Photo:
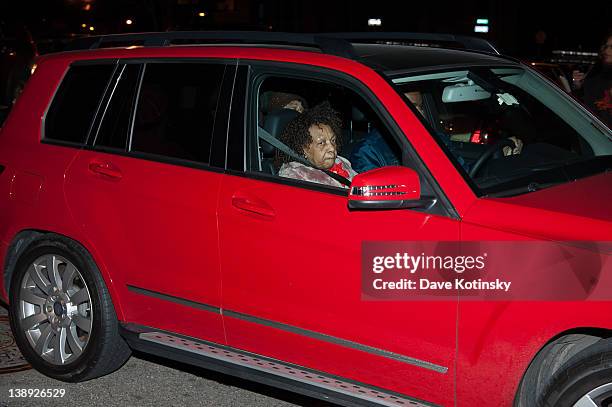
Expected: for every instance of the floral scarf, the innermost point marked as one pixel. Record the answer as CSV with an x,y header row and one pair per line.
x,y
297,170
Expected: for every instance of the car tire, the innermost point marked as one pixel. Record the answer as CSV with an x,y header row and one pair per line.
x,y
543,367
61,312
585,380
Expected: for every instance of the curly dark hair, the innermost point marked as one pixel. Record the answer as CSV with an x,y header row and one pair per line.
x,y
297,135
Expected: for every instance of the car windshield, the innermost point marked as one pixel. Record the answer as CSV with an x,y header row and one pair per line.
x,y
508,130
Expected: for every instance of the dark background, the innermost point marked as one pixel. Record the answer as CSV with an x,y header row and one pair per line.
x,y
568,25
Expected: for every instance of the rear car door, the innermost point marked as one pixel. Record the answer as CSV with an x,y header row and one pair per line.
x,y
145,191
291,263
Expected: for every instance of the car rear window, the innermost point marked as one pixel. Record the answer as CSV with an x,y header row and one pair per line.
x,y
74,106
176,110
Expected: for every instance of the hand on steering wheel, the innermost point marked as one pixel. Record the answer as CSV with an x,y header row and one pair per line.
x,y
488,153
518,147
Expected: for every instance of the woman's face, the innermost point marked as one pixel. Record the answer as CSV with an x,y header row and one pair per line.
x,y
322,148
606,52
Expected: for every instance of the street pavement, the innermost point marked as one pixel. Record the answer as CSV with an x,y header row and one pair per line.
x,y
149,381
145,380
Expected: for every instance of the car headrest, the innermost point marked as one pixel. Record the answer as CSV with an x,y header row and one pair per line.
x,y
357,115
277,120
275,123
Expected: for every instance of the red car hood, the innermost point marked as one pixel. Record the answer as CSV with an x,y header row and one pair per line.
x,y
579,210
588,197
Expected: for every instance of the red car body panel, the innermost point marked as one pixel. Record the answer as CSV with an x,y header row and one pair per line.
x,y
146,249
320,293
497,340
572,211
49,164
259,230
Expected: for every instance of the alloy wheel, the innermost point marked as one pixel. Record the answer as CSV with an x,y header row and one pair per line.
x,y
598,397
55,309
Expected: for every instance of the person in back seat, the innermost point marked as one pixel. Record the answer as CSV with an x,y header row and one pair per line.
x,y
372,150
272,100
281,100
314,134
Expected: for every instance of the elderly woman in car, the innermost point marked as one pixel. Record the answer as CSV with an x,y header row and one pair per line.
x,y
314,135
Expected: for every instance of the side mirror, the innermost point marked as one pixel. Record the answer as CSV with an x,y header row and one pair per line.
x,y
390,187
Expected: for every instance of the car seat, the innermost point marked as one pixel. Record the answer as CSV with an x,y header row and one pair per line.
x,y
274,123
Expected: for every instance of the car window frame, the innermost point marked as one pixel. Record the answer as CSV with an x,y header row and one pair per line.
x,y
255,73
106,101
89,62
219,132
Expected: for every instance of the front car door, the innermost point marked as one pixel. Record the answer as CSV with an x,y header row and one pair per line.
x,y
291,256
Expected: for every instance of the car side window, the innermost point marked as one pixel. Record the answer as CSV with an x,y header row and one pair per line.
x,y
74,106
176,110
115,126
363,140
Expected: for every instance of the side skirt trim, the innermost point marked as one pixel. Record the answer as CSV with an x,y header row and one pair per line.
x,y
264,370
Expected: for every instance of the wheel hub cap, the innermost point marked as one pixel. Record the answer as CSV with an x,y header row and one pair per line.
x,y
59,309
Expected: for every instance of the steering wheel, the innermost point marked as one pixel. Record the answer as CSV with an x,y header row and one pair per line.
x,y
488,153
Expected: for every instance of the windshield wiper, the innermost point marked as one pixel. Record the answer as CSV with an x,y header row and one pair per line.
x,y
531,187
559,163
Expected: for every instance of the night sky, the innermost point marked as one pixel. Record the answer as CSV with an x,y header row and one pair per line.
x,y
513,24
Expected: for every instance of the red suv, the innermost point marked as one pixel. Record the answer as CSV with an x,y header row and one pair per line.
x,y
142,208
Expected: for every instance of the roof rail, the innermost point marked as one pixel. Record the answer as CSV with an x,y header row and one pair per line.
x,y
333,46
443,40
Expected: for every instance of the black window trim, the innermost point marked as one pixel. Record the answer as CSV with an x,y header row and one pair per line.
x,y
238,114
141,74
219,146
83,144
261,69
106,99
398,73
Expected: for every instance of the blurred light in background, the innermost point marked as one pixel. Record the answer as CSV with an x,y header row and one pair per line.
x,y
129,21
374,22
482,25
